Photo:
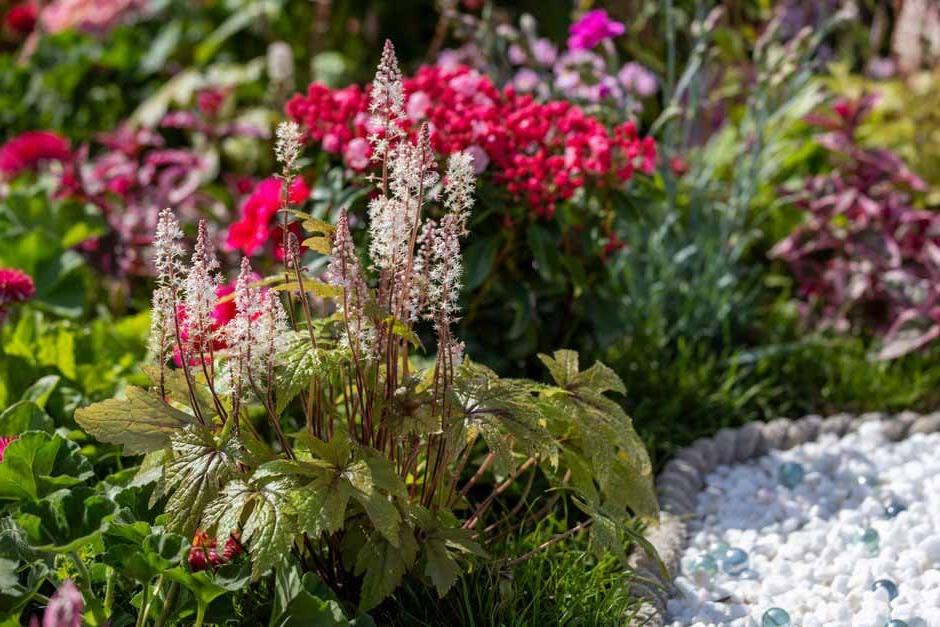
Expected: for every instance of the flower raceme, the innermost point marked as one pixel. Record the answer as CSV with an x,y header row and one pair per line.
x,y
319,440
541,152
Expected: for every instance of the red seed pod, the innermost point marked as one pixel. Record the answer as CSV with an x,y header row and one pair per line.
x,y
197,559
233,546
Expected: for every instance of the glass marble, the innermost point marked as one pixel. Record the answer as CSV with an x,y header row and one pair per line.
x,y
749,574
705,564
865,536
775,617
896,623
894,508
718,549
888,586
869,480
790,474
733,561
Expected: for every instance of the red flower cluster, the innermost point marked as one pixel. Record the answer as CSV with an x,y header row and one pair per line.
x,y
204,554
15,287
27,150
254,228
5,441
542,152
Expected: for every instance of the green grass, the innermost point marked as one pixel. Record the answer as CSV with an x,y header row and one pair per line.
x,y
565,584
692,390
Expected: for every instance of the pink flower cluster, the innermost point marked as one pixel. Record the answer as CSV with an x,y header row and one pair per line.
x,y
542,152
255,226
15,287
864,256
91,16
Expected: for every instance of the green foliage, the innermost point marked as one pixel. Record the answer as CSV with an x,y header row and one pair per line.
x,y
37,464
904,121
263,514
38,236
141,422
200,465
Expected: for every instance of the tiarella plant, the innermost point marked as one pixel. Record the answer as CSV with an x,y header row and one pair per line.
x,y
306,427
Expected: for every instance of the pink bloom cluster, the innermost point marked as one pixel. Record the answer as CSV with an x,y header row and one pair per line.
x,y
256,225
864,255
542,151
136,177
91,16
15,287
65,608
130,174
28,150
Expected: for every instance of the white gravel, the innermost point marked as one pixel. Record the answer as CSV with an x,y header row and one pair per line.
x,y
799,542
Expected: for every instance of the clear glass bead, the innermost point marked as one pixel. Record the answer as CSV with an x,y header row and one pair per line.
x,y
733,561
705,564
894,508
889,586
790,474
775,617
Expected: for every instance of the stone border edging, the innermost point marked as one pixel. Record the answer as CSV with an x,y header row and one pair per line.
x,y
683,477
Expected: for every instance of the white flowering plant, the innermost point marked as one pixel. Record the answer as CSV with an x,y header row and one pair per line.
x,y
311,428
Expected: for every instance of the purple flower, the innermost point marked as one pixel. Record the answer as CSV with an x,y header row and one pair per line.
x,y
517,56
65,607
480,158
526,80
593,27
544,51
637,79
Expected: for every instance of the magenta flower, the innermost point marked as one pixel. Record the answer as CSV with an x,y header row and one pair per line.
x,y
27,150
15,287
5,441
593,28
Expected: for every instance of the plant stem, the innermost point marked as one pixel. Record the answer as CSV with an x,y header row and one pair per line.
x,y
168,604
109,591
555,540
144,602
84,584
200,613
